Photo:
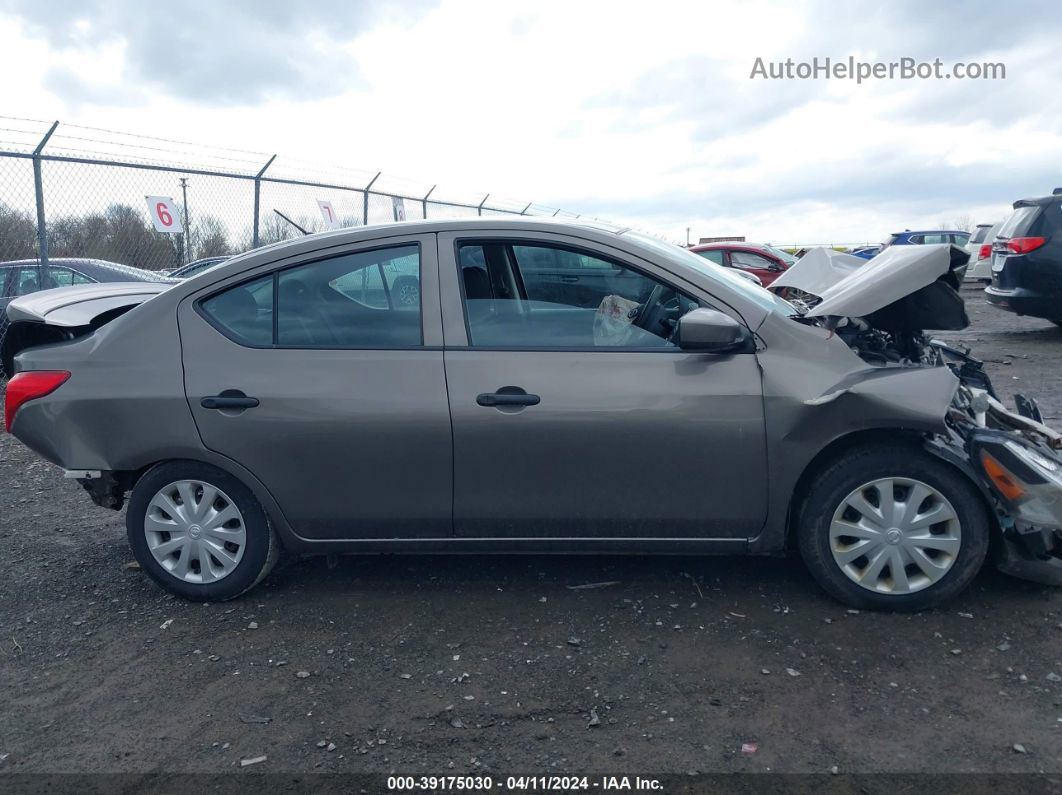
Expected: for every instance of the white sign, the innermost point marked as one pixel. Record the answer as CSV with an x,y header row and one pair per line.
x,y
399,207
328,213
163,212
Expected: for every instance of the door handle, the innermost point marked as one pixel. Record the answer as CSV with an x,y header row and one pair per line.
x,y
508,396
569,279
229,399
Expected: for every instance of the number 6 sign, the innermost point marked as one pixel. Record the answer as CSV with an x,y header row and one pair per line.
x,y
163,214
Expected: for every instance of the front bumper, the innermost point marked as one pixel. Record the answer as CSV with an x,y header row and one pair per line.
x,y
1026,483
1022,301
1032,553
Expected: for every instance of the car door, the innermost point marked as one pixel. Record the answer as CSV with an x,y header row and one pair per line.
x,y
572,422
314,376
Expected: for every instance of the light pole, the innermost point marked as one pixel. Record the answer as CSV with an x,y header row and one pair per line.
x,y
187,230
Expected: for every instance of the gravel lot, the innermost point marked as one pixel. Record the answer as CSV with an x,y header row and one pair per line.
x,y
502,664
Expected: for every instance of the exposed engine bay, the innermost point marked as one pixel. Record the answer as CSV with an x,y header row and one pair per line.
x,y
1013,456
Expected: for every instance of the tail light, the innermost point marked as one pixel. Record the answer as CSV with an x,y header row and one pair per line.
x,y
1023,245
985,252
30,386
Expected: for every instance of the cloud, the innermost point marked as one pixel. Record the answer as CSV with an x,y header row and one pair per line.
x,y
209,52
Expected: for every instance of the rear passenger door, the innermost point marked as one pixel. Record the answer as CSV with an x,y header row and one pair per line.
x,y
340,371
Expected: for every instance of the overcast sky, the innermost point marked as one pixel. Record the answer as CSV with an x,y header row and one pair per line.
x,y
643,113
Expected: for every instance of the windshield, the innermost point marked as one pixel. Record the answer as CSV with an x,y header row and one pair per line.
x,y
1020,222
717,274
784,256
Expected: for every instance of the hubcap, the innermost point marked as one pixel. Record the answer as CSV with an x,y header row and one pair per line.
x,y
194,531
895,535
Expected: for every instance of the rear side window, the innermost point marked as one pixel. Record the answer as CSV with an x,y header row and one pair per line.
x,y
1023,222
960,239
245,312
366,300
715,256
980,234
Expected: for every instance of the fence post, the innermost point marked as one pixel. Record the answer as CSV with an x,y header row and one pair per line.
x,y
257,199
38,189
365,200
424,202
479,210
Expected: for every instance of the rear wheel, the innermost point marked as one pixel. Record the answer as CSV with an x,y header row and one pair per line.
x,y
893,528
199,532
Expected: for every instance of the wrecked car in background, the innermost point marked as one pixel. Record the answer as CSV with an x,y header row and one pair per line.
x,y
632,397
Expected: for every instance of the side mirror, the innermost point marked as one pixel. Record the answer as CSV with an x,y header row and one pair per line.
x,y
711,331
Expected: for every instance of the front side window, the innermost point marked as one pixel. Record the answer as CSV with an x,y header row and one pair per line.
x,y
542,296
749,261
370,299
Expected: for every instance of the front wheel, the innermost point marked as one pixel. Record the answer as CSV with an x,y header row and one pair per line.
x,y
199,532
893,528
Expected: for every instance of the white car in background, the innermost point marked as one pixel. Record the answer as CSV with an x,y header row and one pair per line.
x,y
980,250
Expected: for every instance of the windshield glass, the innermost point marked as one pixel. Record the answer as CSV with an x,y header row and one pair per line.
x,y
717,273
784,256
1020,222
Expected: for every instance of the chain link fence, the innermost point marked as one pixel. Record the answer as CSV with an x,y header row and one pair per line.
x,y
70,192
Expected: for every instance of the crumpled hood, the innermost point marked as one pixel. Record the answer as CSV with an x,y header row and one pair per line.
x,y
818,270
895,274
78,306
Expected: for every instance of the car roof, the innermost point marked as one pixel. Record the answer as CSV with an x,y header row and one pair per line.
x,y
1041,201
94,268
932,231
727,244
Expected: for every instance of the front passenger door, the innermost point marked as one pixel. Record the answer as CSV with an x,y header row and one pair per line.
x,y
587,421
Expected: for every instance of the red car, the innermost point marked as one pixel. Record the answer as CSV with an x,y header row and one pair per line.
x,y
767,262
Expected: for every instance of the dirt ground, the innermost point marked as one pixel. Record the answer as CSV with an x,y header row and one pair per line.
x,y
437,665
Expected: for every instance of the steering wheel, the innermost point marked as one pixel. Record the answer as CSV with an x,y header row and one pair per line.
x,y
648,311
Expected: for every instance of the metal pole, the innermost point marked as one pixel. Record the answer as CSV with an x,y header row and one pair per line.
x,y
38,188
424,201
257,198
528,207
365,200
187,229
555,214
479,210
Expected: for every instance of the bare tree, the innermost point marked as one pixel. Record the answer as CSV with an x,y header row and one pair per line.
x,y
211,237
964,223
18,234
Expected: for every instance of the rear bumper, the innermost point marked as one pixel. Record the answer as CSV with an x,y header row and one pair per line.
x,y
1022,301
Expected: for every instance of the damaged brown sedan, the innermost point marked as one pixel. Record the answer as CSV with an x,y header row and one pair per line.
x,y
490,385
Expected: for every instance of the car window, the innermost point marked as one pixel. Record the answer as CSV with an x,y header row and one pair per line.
x,y
541,296
748,260
1021,222
366,300
27,280
244,313
916,239
715,255
959,238
931,239
59,276
980,234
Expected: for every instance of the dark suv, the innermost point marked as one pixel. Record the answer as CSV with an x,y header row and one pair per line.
x,y
1027,260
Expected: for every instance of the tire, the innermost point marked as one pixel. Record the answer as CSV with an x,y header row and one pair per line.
x,y
218,549
952,550
406,290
